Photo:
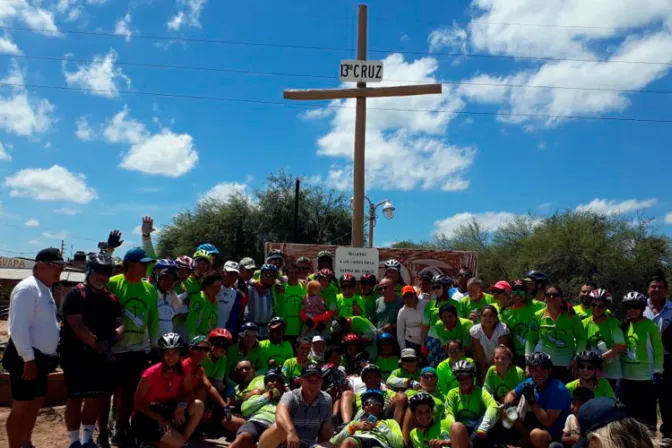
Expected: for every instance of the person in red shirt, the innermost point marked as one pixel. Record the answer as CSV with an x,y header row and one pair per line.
x,y
162,412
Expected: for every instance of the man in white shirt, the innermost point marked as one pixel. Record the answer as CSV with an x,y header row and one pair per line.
x,y
33,340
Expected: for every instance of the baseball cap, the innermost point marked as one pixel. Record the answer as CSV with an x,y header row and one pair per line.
x,y
409,353
318,338
231,266
502,284
50,255
311,369
597,413
248,263
428,370
408,289
518,285
137,254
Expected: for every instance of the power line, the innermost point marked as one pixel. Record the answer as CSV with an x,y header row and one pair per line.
x,y
323,48
332,77
335,106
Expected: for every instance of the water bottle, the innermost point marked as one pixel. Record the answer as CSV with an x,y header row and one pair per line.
x,y
602,347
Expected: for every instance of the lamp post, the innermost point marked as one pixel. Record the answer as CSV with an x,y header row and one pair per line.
x,y
388,212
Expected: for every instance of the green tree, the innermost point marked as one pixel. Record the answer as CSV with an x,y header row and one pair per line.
x,y
239,226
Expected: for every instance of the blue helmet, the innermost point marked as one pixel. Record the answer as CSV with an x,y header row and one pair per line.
x,y
384,337
165,263
269,268
207,247
249,326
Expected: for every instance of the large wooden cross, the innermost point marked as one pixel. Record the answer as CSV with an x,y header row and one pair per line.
x,y
361,92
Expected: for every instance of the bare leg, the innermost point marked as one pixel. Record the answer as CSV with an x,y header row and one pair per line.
x,y
459,435
347,401
172,439
540,438
399,404
18,422
272,437
243,440
195,413
73,414
407,427
232,426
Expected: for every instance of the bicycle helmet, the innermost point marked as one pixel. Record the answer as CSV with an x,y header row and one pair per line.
x,y
209,248
464,367
165,263
420,398
275,374
635,297
275,254
348,280
537,277
99,263
427,276
170,341
600,294
333,376
442,279
197,340
368,279
184,262
117,262
220,333
325,273
370,368
375,394
350,338
539,359
277,321
324,254
392,264
384,337
590,356
269,268
201,255
248,326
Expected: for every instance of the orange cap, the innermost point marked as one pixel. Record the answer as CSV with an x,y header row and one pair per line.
x,y
408,289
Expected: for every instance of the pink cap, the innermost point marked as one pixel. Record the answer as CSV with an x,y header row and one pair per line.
x,y
502,284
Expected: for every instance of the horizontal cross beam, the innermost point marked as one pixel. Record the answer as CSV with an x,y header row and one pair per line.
x,y
368,92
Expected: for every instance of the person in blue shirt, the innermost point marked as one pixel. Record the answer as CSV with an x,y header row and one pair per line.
x,y
547,401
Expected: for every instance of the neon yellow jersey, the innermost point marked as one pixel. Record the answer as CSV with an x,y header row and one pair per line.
x,y
498,387
288,305
603,388
279,353
420,437
471,408
562,339
467,305
345,305
138,302
460,332
202,316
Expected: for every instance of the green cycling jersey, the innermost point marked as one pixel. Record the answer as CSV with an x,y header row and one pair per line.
x,y
420,437
499,387
609,332
644,351
601,389
476,410
518,319
561,338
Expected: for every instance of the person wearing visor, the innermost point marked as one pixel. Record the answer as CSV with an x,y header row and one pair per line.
x,y
501,294
200,267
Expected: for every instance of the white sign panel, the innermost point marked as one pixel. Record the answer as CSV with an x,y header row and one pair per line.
x,y
361,71
15,263
356,261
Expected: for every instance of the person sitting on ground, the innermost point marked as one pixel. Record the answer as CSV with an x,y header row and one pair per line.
x,y
429,432
503,376
485,337
317,350
547,401
353,348
248,383
292,367
387,359
428,385
274,351
215,362
407,376
372,379
372,429
338,387
303,416
590,368
471,412
260,409
571,432
161,413
444,370
247,347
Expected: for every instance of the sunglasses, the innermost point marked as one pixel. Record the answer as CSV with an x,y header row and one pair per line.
x,y
200,348
429,376
518,292
586,367
371,403
552,295
497,291
599,306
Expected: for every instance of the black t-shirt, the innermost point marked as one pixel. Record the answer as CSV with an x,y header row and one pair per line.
x,y
99,311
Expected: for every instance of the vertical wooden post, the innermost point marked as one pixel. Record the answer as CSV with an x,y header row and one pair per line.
x,y
360,139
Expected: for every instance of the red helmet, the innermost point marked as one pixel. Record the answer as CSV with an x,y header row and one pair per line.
x,y
368,278
325,273
220,333
348,279
350,337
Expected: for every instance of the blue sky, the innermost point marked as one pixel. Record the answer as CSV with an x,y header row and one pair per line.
x,y
77,162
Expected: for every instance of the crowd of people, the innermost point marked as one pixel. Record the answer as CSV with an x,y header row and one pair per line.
x,y
159,352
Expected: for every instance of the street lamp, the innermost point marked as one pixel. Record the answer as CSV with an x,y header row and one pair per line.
x,y
388,212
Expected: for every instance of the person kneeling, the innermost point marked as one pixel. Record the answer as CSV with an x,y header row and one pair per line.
x,y
370,431
161,412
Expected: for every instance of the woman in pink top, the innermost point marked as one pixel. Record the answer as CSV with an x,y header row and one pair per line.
x,y
162,411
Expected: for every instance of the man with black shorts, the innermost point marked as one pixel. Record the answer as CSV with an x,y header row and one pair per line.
x,y
33,340
260,410
91,326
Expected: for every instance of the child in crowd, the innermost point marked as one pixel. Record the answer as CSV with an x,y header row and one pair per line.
x,y
314,313
570,435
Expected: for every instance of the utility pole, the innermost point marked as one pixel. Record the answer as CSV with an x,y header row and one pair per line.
x,y
62,247
296,210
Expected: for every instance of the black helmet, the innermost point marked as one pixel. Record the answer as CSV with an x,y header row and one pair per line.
x,y
441,279
634,297
172,340
99,263
277,321
249,326
333,377
464,367
370,368
420,398
539,359
368,279
590,356
537,277
427,276
275,374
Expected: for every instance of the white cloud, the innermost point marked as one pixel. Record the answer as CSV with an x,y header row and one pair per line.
x,y
668,218
71,9
63,234
34,17
123,27
226,190
32,222
397,139
7,46
137,230
456,184
96,2
53,184
604,207
4,155
454,38
67,211
165,153
100,77
627,31
188,14
21,114
84,131
34,242
488,221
